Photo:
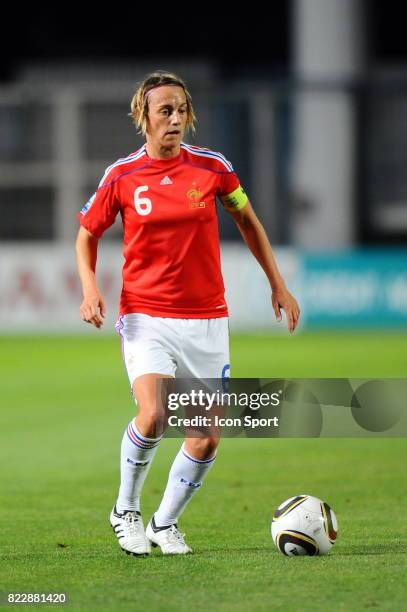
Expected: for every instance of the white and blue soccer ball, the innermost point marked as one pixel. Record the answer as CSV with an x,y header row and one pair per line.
x,y
304,525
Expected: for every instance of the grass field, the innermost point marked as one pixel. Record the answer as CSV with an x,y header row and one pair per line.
x,y
65,403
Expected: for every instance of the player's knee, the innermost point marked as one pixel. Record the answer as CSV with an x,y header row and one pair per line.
x,y
150,423
203,448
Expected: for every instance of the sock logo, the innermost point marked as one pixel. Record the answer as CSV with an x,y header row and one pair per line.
x,y
194,485
136,462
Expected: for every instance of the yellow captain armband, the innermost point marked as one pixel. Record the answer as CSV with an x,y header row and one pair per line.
x,y
236,200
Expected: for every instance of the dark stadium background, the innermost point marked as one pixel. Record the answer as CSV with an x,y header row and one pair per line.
x,y
238,40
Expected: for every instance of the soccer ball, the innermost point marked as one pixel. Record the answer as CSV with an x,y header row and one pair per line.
x,y
304,525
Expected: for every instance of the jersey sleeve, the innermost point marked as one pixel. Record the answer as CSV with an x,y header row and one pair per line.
x,y
231,193
100,211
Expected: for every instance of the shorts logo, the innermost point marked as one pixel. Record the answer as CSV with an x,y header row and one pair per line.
x,y
226,377
195,196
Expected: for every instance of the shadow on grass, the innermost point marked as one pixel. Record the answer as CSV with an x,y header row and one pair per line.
x,y
233,549
356,550
365,550
104,554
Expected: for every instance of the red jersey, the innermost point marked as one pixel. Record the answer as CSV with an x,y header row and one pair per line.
x,y
171,236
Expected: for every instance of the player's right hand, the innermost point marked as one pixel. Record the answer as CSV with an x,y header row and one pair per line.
x,y
93,309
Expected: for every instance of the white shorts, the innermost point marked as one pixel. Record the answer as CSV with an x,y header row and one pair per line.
x,y
183,348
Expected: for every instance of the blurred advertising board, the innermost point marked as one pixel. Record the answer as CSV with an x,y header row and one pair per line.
x,y
40,290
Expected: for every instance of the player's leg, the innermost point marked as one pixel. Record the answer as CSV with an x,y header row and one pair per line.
x,y
205,355
140,441
141,351
186,476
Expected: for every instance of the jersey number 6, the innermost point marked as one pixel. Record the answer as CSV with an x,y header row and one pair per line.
x,y
143,205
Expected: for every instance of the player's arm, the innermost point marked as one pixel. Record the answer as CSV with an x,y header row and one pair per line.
x,y
93,307
256,239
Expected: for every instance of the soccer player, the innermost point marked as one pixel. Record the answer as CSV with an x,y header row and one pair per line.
x,y
173,318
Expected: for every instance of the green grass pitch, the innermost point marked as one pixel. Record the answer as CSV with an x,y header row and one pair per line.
x,y
65,403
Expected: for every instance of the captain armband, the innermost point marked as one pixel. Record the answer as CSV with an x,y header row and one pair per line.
x,y
236,200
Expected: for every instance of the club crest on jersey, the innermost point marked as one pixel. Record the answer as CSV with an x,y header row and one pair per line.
x,y
194,195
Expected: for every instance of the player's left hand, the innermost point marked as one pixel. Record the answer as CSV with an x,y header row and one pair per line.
x,y
281,298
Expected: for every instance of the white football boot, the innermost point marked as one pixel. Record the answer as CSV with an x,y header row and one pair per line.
x,y
129,529
169,539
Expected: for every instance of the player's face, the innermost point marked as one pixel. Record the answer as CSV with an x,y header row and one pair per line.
x,y
167,116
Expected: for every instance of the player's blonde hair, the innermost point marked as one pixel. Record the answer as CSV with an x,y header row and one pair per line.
x,y
139,102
